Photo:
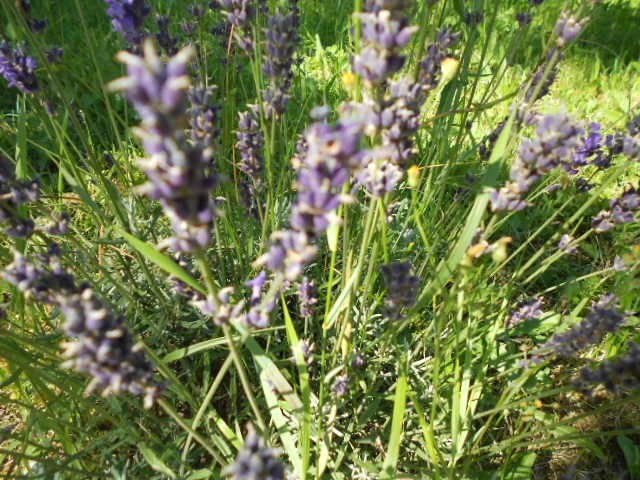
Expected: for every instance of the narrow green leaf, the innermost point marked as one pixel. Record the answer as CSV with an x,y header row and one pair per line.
x,y
631,455
399,404
161,260
522,470
447,267
154,461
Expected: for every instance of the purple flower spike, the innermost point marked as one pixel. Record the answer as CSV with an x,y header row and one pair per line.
x,y
604,317
251,145
431,66
204,116
384,34
568,28
325,168
127,18
307,296
181,174
240,14
617,374
557,137
528,310
282,41
13,195
102,346
255,461
18,68
402,287
623,210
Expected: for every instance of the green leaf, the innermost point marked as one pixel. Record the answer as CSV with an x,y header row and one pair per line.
x,y
631,455
154,461
447,267
399,404
522,470
161,260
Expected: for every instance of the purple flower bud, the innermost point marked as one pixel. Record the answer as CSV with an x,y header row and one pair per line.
x,y
340,386
566,244
54,55
289,253
167,42
524,19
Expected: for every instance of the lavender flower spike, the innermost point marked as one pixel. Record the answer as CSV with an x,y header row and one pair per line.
x,y
127,17
604,317
256,461
282,40
181,174
18,68
557,137
102,345
568,28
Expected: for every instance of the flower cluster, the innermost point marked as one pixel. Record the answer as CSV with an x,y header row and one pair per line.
x,y
18,68
307,297
568,28
604,317
127,18
282,40
395,118
255,461
240,14
402,287
544,77
527,310
167,42
181,175
622,210
204,116
13,195
331,153
437,53
251,145
101,346
616,374
557,136
385,32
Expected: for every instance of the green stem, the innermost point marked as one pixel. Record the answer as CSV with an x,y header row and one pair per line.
x,y
244,379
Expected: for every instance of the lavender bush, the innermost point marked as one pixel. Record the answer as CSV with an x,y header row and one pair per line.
x,y
267,240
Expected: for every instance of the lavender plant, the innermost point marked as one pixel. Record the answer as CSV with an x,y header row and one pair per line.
x,y
368,325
